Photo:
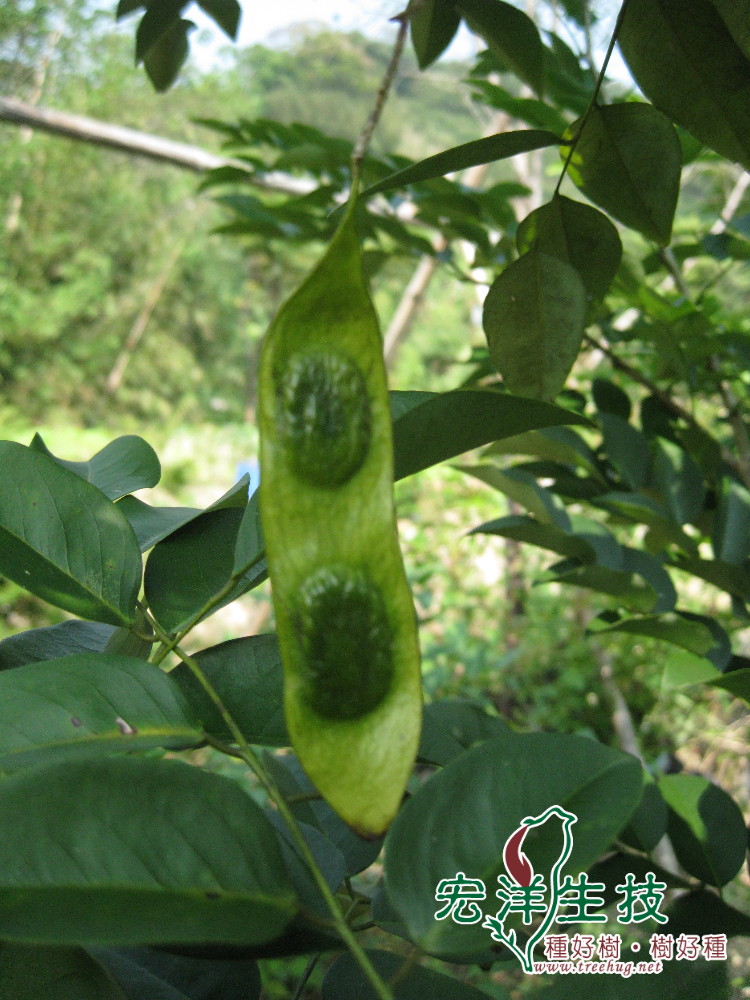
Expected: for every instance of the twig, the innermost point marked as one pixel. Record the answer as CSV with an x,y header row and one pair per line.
x,y
363,142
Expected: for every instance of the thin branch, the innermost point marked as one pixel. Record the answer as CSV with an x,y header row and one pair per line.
x,y
363,142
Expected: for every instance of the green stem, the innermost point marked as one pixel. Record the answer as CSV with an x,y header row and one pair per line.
x,y
594,96
305,976
253,761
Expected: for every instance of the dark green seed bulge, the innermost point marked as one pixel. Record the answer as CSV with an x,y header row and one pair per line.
x,y
324,416
345,639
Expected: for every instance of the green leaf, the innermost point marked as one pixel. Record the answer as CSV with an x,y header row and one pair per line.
x,y
159,20
737,682
164,59
450,726
134,851
462,817
705,826
544,536
730,534
62,540
558,444
627,449
703,912
125,7
226,13
610,398
37,644
511,35
126,464
429,427
648,823
190,568
678,479
642,509
672,627
692,68
358,852
524,489
469,154
345,980
148,974
628,161
622,585
732,579
534,316
433,25
734,14
246,674
90,704
535,113
36,973
152,524
577,234
677,981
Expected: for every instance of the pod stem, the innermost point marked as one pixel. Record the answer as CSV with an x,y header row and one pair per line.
x,y
253,761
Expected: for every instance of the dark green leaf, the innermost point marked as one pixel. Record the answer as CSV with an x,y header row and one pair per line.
x,y
733,579
673,627
62,540
134,851
470,154
358,853
152,524
126,464
703,912
736,16
558,444
642,509
39,644
511,35
677,981
730,534
533,317
164,59
535,113
246,674
651,569
610,398
648,823
679,481
627,449
345,980
692,68
148,974
705,826
37,973
628,161
90,704
524,489
125,7
433,25
461,818
190,568
737,682
159,20
625,587
545,536
226,13
579,235
430,427
450,726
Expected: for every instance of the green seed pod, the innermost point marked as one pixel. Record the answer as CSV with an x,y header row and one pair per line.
x,y
345,637
344,614
325,416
